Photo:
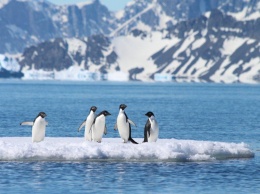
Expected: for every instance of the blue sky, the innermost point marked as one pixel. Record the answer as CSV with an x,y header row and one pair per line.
x,y
112,5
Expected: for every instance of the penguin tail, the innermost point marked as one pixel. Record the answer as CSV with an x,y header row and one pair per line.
x,y
133,141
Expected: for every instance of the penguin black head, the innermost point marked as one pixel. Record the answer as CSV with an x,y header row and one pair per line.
x,y
105,113
42,114
149,114
93,108
122,106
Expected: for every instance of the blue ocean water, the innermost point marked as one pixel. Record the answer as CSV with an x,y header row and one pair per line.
x,y
214,112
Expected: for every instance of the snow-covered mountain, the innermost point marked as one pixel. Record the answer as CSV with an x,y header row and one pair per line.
x,y
29,22
160,14
193,40
74,59
214,47
211,48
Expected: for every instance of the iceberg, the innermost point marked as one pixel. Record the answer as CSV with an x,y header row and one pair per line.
x,y
112,149
9,63
162,77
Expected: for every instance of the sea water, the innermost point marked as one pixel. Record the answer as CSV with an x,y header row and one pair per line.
x,y
200,112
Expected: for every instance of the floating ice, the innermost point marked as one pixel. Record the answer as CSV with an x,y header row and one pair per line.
x,y
112,149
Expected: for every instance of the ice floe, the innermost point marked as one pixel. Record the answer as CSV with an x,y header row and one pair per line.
x,y
112,149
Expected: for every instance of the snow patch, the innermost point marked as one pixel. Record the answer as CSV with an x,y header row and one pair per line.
x,y
82,4
184,46
247,77
243,15
76,45
136,52
231,45
207,14
130,3
198,43
119,14
115,32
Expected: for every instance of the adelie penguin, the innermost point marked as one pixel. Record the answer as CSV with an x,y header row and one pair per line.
x,y
38,127
123,124
151,129
99,126
88,123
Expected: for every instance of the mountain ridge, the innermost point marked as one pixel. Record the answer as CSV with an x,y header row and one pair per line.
x,y
209,42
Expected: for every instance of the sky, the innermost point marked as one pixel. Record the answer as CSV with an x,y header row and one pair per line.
x,y
112,5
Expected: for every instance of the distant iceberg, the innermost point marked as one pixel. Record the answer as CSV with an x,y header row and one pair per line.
x,y
112,149
9,63
9,67
162,77
74,73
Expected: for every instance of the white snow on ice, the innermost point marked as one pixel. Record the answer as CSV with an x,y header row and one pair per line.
x,y
112,149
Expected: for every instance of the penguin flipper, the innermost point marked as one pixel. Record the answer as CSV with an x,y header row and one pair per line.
x,y
82,125
30,123
147,131
131,122
105,130
115,127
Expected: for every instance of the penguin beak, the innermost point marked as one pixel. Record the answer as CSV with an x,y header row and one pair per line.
x,y
108,113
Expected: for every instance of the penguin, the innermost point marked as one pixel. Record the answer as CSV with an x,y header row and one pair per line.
x,y
123,124
99,126
87,123
151,129
38,127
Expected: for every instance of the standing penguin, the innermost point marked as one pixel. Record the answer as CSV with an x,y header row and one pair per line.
x,y
123,125
151,129
88,122
99,126
38,127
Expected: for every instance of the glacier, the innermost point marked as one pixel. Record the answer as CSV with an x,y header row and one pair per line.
x,y
112,149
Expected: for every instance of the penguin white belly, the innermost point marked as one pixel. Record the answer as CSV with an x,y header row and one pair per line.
x,y
123,127
88,130
154,132
98,128
38,130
